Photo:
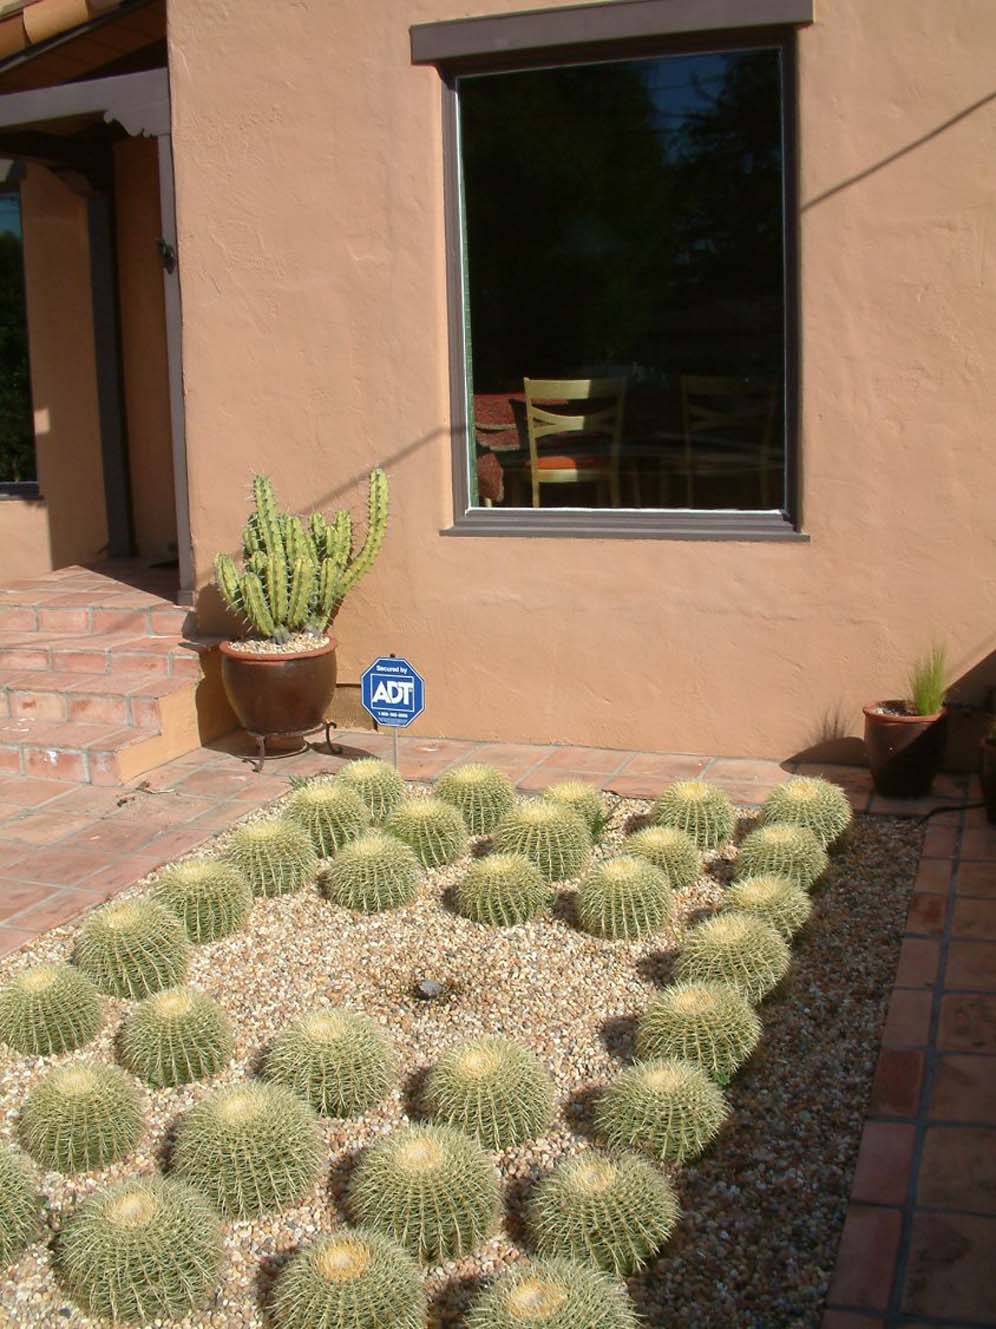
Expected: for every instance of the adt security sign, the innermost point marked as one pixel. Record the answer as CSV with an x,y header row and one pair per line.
x,y
392,692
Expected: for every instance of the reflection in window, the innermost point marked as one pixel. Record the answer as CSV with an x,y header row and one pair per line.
x,y
17,440
624,275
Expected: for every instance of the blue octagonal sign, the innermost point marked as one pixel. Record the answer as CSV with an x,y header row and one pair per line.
x,y
392,692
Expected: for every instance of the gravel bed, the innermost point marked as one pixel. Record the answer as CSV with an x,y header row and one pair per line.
x,y
762,1210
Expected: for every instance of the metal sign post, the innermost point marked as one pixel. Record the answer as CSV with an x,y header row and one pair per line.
x,y
393,693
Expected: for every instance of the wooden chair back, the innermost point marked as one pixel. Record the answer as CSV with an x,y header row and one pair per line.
x,y
602,403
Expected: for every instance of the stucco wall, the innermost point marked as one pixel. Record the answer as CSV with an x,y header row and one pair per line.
x,y
63,383
311,240
143,346
24,539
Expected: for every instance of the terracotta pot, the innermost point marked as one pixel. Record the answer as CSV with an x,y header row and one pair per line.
x,y
279,694
904,751
987,771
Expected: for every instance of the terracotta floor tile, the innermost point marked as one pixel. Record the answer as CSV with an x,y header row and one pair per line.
x,y
747,792
28,792
896,1086
13,937
939,842
964,1090
927,912
848,777
665,766
968,1024
882,1172
219,783
971,964
63,864
515,759
18,895
905,807
603,761
958,1169
92,801
979,844
58,908
950,1271
631,786
918,960
164,811
973,878
933,874
114,835
44,828
907,1023
746,770
123,872
543,776
850,1320
974,918
11,852
866,1257
171,844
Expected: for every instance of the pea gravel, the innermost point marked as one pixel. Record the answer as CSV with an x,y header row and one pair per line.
x,y
762,1210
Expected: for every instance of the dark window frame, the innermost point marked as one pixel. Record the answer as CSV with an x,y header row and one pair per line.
x,y
10,183
501,52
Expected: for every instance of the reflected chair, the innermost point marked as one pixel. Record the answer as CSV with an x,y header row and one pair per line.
x,y
729,430
574,427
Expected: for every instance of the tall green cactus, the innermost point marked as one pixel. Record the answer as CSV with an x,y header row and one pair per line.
x,y
295,575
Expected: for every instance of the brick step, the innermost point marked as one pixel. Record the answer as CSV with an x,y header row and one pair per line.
x,y
120,699
78,751
102,653
135,612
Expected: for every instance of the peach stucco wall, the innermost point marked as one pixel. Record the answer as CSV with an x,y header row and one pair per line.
x,y
309,168
143,347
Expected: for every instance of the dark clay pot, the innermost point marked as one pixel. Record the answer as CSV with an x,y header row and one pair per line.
x,y
279,694
904,751
987,771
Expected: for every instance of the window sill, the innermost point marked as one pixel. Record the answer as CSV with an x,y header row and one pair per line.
x,y
19,489
626,525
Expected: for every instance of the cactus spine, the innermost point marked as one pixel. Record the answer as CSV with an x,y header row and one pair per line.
x,y
294,578
338,1060
133,949
176,1037
820,806
553,1294
549,834
374,872
777,900
431,1188
492,1089
783,850
614,1211
80,1118
501,890
276,856
149,1249
212,898
330,813
433,829
48,1009
624,899
378,785
20,1207
701,809
354,1279
710,1024
670,1108
251,1149
584,799
735,948
481,793
670,849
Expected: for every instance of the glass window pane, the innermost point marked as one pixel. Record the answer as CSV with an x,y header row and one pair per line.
x,y
624,278
17,439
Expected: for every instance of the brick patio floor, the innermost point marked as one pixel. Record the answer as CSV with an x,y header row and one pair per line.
x,y
920,1236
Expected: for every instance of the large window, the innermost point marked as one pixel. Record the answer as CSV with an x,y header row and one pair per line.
x,y
17,440
624,305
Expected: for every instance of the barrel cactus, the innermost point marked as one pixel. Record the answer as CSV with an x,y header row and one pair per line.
x,y
820,806
275,856
491,1088
614,1211
502,890
379,786
339,1060
555,1294
331,813
147,1250
777,900
81,1117
699,808
20,1207
374,872
783,851
736,948
354,1279
481,794
432,828
671,850
251,1149
548,834
212,897
48,1009
431,1188
711,1024
133,948
175,1037
624,898
582,798
670,1108
295,574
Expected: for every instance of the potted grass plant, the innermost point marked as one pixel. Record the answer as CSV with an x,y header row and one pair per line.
x,y
280,677
904,738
